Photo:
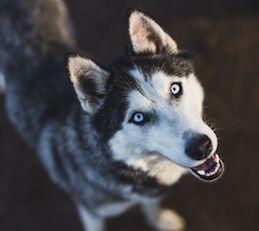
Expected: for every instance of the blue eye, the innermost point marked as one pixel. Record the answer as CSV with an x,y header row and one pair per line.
x,y
176,89
139,118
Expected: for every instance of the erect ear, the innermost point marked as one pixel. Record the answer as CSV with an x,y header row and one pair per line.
x,y
147,36
89,81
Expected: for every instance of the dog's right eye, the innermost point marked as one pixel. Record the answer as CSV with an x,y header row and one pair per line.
x,y
139,118
176,89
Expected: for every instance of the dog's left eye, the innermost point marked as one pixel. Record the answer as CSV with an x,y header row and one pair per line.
x,y
139,118
176,89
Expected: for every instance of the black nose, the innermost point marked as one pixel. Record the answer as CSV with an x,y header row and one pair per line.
x,y
199,147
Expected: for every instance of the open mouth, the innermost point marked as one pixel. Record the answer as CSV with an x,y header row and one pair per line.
x,y
210,170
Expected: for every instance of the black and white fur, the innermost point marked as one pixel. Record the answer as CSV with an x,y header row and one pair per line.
x,y
91,148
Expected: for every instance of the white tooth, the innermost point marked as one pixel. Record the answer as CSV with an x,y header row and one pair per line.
x,y
217,157
201,172
214,171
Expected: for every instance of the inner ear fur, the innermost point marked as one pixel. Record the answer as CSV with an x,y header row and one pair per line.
x,y
147,36
89,81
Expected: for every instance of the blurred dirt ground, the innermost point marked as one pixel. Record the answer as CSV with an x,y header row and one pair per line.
x,y
223,37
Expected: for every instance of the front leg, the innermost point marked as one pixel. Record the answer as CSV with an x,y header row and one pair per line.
x,y
162,219
89,221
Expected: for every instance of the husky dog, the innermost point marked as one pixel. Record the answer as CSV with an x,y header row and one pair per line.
x,y
116,136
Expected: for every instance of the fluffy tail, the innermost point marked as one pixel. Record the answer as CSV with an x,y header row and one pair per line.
x,y
30,30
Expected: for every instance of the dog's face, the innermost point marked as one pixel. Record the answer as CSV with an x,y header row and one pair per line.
x,y
148,108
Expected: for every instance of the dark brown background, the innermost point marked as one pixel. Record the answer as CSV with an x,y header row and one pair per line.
x,y
224,39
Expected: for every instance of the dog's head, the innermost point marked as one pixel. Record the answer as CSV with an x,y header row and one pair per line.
x,y
148,106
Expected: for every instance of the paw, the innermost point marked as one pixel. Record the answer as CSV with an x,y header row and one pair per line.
x,y
168,220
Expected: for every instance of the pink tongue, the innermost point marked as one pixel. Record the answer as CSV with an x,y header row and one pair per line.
x,y
207,164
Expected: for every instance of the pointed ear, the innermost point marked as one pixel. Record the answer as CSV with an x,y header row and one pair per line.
x,y
89,81
147,36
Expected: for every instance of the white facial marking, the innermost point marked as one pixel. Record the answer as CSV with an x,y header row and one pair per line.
x,y
158,147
